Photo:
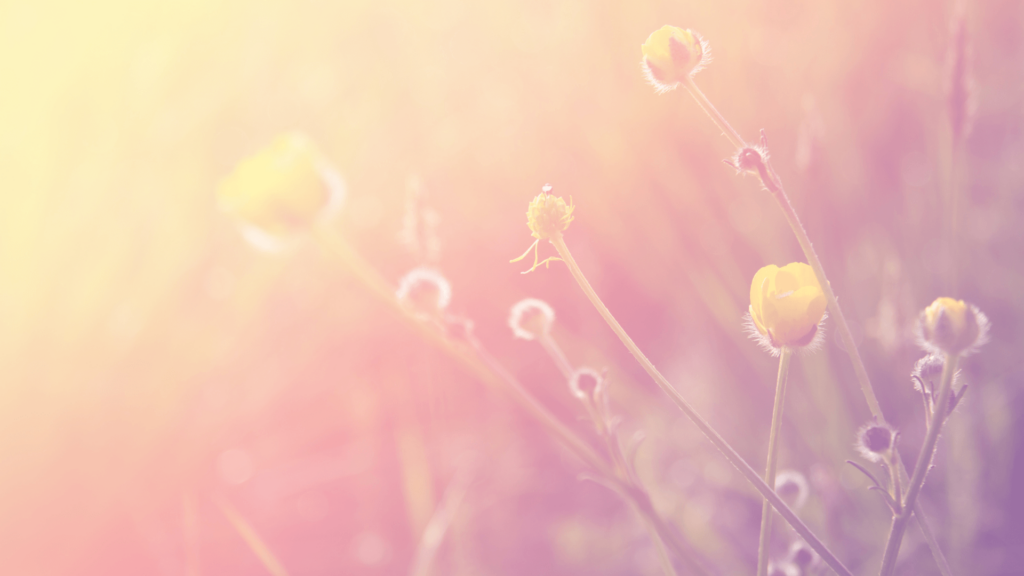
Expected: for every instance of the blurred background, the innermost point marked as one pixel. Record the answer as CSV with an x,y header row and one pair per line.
x,y
156,370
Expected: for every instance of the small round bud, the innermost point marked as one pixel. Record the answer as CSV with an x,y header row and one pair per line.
x,y
792,487
875,441
281,191
802,556
952,327
531,319
671,55
584,382
786,306
425,290
548,215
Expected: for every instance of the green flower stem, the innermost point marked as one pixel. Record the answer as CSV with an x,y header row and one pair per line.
x,y
647,515
924,462
478,362
771,181
715,438
773,448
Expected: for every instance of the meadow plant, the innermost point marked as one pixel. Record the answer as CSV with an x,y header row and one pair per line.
x,y
288,191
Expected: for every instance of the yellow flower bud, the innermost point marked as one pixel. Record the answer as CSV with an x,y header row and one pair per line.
x,y
548,215
282,189
671,55
952,326
786,305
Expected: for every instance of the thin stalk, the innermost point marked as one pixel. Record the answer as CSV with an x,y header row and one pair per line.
x,y
477,361
771,181
773,447
712,112
618,459
252,539
921,467
730,453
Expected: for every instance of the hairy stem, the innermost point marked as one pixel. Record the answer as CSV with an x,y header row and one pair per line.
x,y
477,361
771,181
715,438
773,447
924,462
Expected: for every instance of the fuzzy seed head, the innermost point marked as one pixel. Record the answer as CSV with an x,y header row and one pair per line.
x,y
531,319
548,215
949,326
671,55
802,555
928,370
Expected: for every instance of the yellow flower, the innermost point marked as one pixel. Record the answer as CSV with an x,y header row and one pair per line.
x,y
548,215
671,55
282,189
952,326
786,304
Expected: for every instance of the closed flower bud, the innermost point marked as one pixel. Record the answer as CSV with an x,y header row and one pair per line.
x,y
425,290
531,319
786,306
281,191
952,327
548,215
671,55
875,441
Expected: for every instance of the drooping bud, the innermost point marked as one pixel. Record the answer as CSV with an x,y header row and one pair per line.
x,y
531,319
425,290
875,441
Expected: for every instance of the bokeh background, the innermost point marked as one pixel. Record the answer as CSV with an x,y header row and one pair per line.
x,y
155,365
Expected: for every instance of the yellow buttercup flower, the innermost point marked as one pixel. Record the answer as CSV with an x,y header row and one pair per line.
x,y
786,305
282,189
671,55
952,326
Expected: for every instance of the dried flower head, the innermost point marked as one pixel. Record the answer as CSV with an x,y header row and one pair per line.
x,y
787,306
792,486
281,191
531,319
585,382
949,326
875,441
425,290
547,216
672,55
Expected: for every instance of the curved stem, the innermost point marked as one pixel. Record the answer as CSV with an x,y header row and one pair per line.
x,y
692,414
924,462
773,447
